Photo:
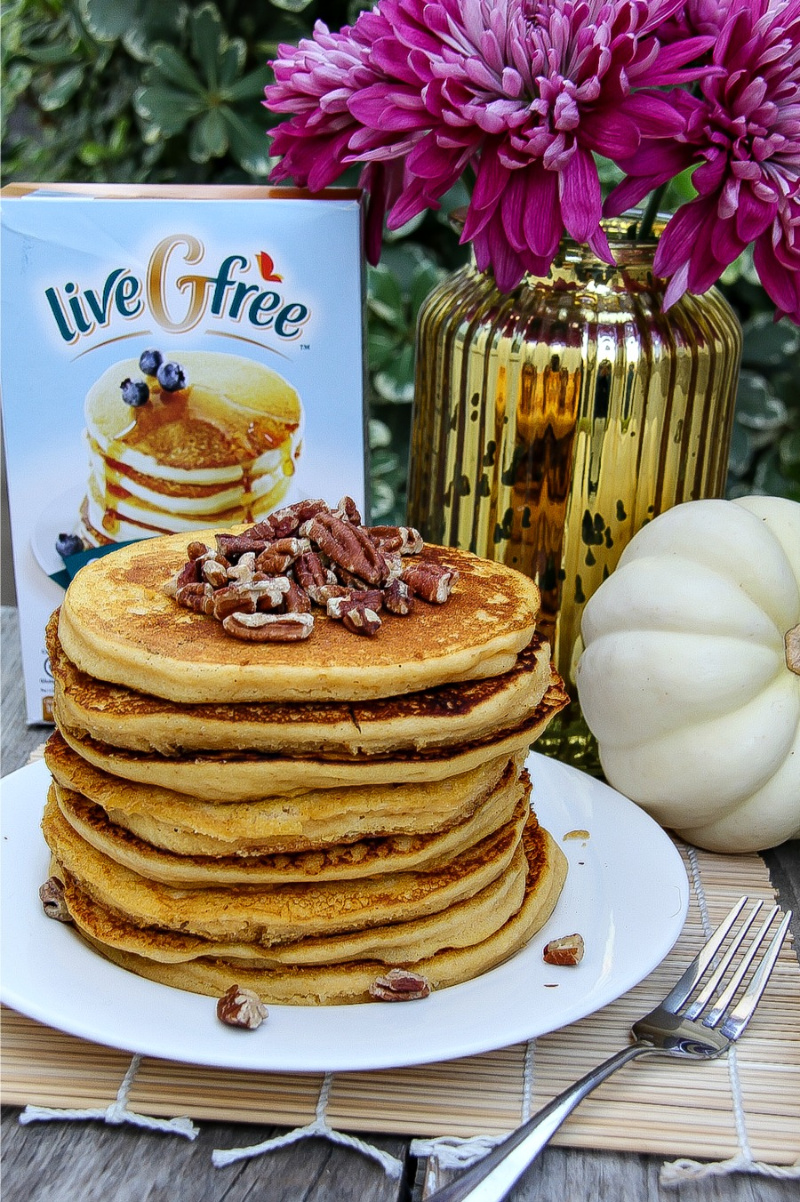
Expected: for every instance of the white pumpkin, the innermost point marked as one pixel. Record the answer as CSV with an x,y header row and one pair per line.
x,y
690,674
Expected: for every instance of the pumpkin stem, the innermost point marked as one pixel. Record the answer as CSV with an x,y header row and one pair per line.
x,y
792,641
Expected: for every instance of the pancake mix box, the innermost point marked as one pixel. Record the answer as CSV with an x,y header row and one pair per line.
x,y
173,359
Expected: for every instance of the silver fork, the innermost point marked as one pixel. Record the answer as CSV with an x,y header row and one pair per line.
x,y
697,1020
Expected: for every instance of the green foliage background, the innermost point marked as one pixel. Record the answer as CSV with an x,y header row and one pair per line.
x,y
159,92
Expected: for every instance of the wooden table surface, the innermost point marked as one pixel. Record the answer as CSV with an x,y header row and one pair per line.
x,y
91,1162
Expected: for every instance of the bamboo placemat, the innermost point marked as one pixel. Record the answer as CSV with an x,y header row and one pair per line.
x,y
660,1107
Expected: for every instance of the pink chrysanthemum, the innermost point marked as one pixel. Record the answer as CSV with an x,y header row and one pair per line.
x,y
523,92
744,130
315,82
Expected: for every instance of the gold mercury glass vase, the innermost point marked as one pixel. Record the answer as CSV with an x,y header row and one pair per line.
x,y
552,423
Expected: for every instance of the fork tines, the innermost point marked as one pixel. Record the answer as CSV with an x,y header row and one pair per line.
x,y
727,973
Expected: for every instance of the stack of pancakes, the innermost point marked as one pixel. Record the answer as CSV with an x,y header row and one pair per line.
x,y
298,818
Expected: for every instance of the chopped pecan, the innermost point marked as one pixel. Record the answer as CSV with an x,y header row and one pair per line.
x,y
566,950
350,580
231,600
241,1008
337,602
360,619
270,592
324,593
214,571
404,539
273,562
198,597
430,581
349,546
347,510
269,628
51,895
232,546
190,573
400,985
196,549
309,570
243,571
398,598
296,600
291,518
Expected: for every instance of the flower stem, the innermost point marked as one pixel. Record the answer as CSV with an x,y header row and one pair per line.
x,y
651,212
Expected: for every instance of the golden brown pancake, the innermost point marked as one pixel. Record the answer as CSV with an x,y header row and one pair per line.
x,y
302,821
279,913
435,717
244,777
118,624
366,857
338,983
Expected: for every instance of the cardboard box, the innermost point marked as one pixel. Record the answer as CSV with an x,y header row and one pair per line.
x,y
252,296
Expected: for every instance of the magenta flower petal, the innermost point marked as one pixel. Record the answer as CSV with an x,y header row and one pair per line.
x,y
581,200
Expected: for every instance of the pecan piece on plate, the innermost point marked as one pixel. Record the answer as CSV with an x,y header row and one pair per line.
x,y
51,895
241,1008
289,519
269,628
348,546
399,985
566,950
358,618
347,510
310,571
431,581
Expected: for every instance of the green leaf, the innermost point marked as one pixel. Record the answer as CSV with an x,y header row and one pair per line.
x,y
174,69
385,297
381,347
107,20
768,343
208,138
230,62
207,37
250,86
757,406
396,382
62,89
291,6
249,144
425,280
770,480
741,452
165,110
379,434
789,455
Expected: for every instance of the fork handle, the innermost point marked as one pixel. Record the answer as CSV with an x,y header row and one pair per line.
x,y
492,1177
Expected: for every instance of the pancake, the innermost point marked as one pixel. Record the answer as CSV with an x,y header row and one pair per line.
x,y
269,914
243,776
436,717
119,625
304,821
339,983
368,857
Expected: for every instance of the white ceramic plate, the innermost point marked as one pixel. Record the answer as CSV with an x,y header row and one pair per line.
x,y
626,893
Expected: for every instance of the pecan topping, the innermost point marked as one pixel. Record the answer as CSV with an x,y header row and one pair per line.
x,y
286,521
399,985
241,1008
309,570
349,546
269,628
262,584
197,597
214,571
404,539
398,598
347,510
430,581
567,950
296,600
51,895
360,619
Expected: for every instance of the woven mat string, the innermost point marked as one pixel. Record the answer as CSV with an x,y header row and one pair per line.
x,y
115,1113
221,1157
